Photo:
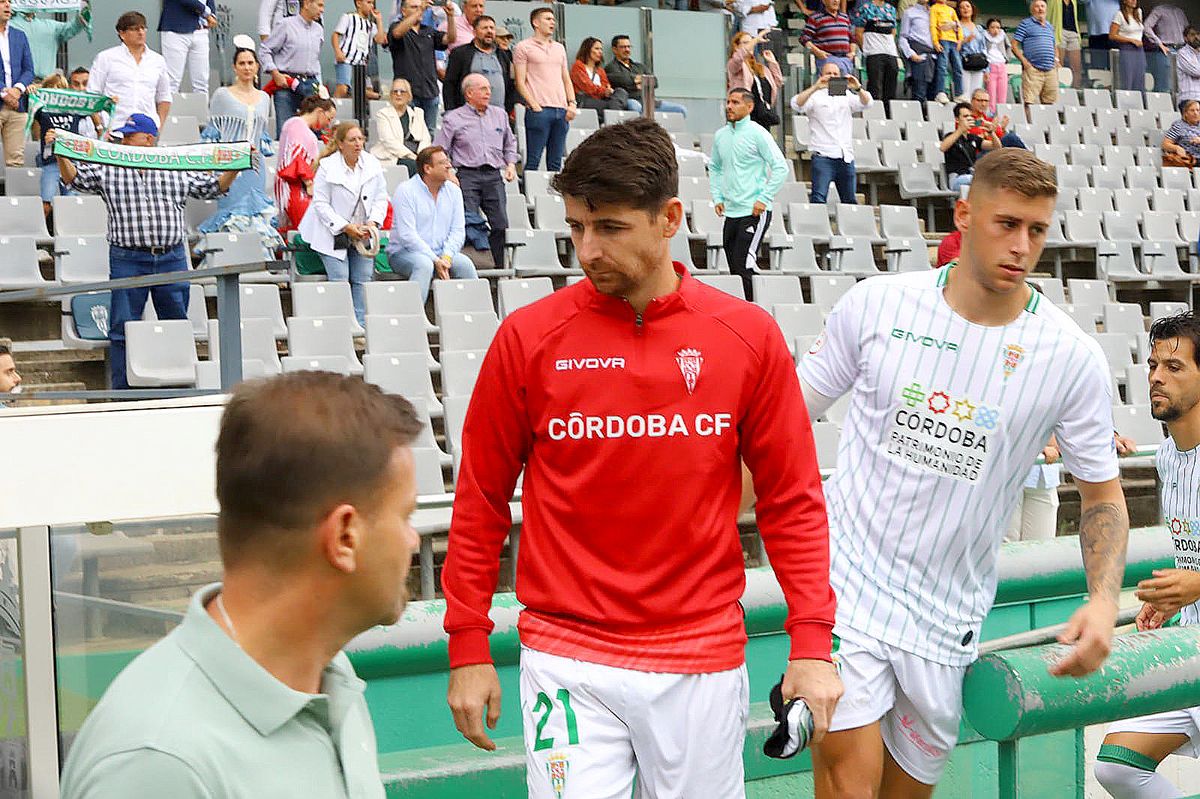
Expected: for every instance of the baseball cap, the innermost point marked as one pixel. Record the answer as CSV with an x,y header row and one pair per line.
x,y
138,123
503,32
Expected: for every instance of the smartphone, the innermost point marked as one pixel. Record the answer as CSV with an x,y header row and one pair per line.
x,y
837,86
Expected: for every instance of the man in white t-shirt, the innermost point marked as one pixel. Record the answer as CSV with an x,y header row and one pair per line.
x,y
1127,763
831,119
957,378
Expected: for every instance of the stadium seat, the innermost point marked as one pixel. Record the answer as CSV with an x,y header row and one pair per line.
x,y
1110,119
537,182
261,301
858,221
672,121
1080,116
1125,317
327,298
467,331
1092,294
920,131
235,249
906,255
1097,98
1030,134
80,215
730,284
825,439
917,182
179,130
1160,102
1136,422
797,320
1085,318
190,104
406,374
828,289
460,371
21,181
1142,177
589,118
518,212
393,176
1162,227
1118,156
894,154
1067,199
1097,137
575,137
1137,384
1129,99
867,160
681,249
692,167
1086,155
1116,349
23,217
1130,137
550,213
801,134
1146,155
811,221
1095,201
1160,310
1082,228
538,255
196,211
1116,264
1056,154
428,468
900,221
208,373
1065,135
1176,177
398,334
1108,177
1161,262
772,290
873,111
905,110
395,298
425,438
81,259
197,311
1051,288
160,354
461,296
19,266
1132,201
518,292
940,115
1046,116
321,363
798,257
1172,201
258,345
852,255
1119,226
319,337
883,129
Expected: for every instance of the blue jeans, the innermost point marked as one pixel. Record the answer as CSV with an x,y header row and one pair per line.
x,y
921,73
545,130
170,301
833,170
659,105
949,59
1159,65
418,267
430,106
358,269
1011,139
52,183
287,103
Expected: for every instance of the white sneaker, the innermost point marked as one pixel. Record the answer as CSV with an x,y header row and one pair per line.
x,y
941,98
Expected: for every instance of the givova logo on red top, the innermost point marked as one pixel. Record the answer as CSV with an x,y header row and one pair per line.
x,y
689,360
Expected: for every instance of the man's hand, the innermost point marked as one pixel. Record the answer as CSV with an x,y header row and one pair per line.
x,y
279,78
1149,619
1051,454
1090,629
758,208
534,107
472,688
937,46
917,58
819,53
1003,123
720,209
818,684
637,81
1125,446
442,267
823,82
510,172
572,112
1170,589
212,21
853,83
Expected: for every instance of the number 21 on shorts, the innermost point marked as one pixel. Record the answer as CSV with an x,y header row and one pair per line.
x,y
542,709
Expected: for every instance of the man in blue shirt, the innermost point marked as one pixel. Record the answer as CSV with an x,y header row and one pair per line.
x,y
184,25
427,224
1035,46
16,74
916,45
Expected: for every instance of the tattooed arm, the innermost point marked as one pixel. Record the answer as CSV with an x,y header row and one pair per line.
x,y
1103,536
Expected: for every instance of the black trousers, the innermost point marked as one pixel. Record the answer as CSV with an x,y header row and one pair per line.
x,y
743,235
483,191
882,71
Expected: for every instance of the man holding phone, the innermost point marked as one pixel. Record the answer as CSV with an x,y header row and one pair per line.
x,y
829,108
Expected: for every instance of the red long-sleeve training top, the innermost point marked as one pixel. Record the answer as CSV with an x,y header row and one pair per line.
x,y
630,430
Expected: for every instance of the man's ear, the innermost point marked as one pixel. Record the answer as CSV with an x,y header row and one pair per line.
x,y
340,537
673,212
962,214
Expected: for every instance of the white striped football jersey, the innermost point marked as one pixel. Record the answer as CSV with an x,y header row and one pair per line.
x,y
1180,503
945,419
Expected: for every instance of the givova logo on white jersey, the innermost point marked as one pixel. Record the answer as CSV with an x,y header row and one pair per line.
x,y
940,433
579,427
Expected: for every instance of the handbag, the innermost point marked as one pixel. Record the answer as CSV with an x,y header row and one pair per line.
x,y
762,113
974,62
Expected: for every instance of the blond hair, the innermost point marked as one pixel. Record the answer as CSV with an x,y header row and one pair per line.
x,y
55,80
340,132
1015,169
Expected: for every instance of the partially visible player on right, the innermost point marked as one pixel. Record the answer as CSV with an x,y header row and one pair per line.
x,y
1133,748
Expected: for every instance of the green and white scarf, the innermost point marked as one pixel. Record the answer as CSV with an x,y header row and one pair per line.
x,y
65,101
46,6
197,157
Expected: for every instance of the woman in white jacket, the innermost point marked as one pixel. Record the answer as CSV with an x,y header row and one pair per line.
x,y
349,197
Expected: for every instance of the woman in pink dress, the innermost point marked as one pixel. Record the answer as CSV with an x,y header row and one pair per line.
x,y
298,149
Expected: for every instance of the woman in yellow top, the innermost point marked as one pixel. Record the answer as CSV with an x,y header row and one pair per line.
x,y
1064,16
945,32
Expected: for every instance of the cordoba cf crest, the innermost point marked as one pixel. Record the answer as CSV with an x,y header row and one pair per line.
x,y
1012,357
689,360
557,767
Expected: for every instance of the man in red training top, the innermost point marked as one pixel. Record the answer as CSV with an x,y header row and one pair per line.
x,y
629,400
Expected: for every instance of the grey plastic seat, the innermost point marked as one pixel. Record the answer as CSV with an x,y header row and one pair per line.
x,y
1120,226
1082,316
80,215
1131,201
258,345
681,249
1137,384
1136,422
1160,102
1161,262
867,160
881,129
1176,177
917,181
1119,156
1142,177
550,213
538,255
208,373
317,337
326,298
772,290
1063,134
1096,201
1082,228
1084,292
395,298
858,221
1080,116
19,266
825,438
1051,288
1162,227
797,258
1097,98
1056,154
895,153
900,221
694,189
1086,155
920,131
1067,200
537,182
406,374
262,301
1129,99
811,221
1173,201
316,363
1076,177
518,292
160,353
461,296
467,331
796,320
23,217
905,110
852,255
1160,310
1116,351
907,255
518,212
460,370
81,259
730,284
1108,177
22,181
399,334
1116,264
828,289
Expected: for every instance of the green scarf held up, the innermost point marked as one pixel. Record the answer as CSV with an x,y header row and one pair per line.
x,y
46,6
193,157
65,101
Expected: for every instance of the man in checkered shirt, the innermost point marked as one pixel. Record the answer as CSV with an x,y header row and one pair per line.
x,y
147,229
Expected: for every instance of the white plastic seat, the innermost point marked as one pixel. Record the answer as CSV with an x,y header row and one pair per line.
x,y
900,221
1116,264
1051,288
796,258
461,296
460,369
1176,177
1120,226
467,331
258,344
1132,201
80,259
262,301
730,284
23,217
1173,201
550,213
317,337
315,363
852,255
518,292
397,335
406,374
208,373
1160,310
1116,349
537,182
1137,384
858,221
772,290
1088,293
80,215
828,289
326,298
1095,201
1136,422
811,221
160,353
395,298
1162,227
1108,177
905,110
906,255
797,320
1082,228
19,264
1142,177
178,129
825,439
518,212
1161,262
1119,156
538,254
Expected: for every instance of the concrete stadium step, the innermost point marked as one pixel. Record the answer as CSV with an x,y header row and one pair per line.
x,y
51,369
157,581
198,549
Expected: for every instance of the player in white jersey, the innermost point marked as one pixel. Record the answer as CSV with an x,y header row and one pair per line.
x,y
957,378
1133,748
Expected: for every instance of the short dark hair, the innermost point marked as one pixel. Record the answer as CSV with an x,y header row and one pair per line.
x,y
129,20
988,24
293,447
314,102
5,349
1015,169
539,11
79,71
1183,325
742,92
1190,29
632,164
425,158
1183,104
618,38
959,106
481,19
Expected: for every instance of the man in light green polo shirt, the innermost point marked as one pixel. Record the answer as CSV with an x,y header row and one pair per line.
x,y
251,696
746,171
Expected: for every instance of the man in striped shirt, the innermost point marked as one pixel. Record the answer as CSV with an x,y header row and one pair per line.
x,y
828,36
1035,45
956,382
1128,760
